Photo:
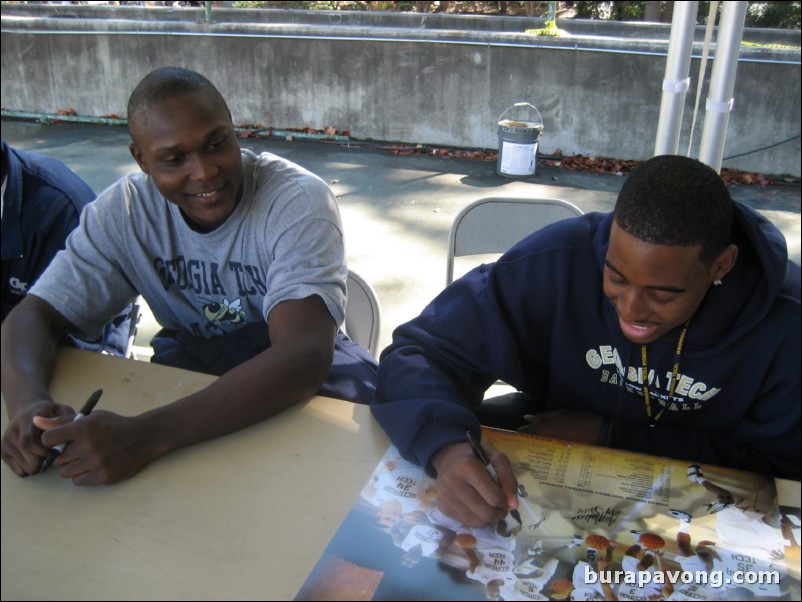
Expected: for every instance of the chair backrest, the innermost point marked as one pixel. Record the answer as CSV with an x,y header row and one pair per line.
x,y
362,313
135,315
492,225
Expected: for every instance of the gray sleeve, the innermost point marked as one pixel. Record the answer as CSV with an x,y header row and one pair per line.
x,y
308,255
84,282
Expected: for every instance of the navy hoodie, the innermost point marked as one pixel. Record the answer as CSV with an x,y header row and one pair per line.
x,y
538,320
41,207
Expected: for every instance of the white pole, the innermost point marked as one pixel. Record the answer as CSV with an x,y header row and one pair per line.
x,y
722,83
712,15
676,80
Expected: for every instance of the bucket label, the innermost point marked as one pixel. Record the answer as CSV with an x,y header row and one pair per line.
x,y
518,159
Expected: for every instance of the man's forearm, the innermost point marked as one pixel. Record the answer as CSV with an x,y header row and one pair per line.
x,y
29,345
245,395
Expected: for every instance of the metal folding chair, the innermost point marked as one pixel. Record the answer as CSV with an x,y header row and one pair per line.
x,y
362,313
492,225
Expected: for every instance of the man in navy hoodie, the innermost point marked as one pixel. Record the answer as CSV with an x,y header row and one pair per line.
x,y
679,283
42,202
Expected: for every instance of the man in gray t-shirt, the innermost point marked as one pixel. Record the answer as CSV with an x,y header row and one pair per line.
x,y
239,256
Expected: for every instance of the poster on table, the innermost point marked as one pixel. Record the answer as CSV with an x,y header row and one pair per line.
x,y
595,524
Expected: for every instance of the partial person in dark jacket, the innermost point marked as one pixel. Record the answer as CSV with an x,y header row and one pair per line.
x,y
42,202
670,326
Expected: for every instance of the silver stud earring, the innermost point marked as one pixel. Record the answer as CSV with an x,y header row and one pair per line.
x,y
717,282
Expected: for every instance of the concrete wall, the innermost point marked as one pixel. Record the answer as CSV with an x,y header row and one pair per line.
x,y
401,77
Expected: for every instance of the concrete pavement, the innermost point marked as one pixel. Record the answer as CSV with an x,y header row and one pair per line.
x,y
396,209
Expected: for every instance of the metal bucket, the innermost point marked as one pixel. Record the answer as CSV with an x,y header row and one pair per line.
x,y
518,138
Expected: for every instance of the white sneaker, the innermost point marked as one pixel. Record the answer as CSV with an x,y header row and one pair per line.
x,y
695,473
536,548
683,516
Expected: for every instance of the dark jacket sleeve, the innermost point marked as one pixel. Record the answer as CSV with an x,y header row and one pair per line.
x,y
434,373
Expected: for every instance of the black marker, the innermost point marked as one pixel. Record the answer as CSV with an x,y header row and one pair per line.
x,y
480,453
85,411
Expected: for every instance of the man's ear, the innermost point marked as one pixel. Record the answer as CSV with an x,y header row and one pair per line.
x,y
725,262
136,153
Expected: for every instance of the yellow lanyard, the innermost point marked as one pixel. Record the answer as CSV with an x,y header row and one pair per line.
x,y
646,396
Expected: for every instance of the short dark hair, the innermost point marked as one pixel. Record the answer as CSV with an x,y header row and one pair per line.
x,y
677,201
168,82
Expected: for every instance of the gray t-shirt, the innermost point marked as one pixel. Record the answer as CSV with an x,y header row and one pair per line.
x,y
283,241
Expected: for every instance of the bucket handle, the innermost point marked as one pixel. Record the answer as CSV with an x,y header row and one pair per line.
x,y
522,104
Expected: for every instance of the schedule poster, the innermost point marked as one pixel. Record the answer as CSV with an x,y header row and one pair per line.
x,y
596,524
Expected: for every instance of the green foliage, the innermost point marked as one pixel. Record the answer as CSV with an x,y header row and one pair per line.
x,y
773,14
704,12
593,10
779,15
294,5
611,11
776,14
630,11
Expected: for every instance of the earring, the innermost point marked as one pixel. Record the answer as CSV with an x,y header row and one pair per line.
x,y
717,282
